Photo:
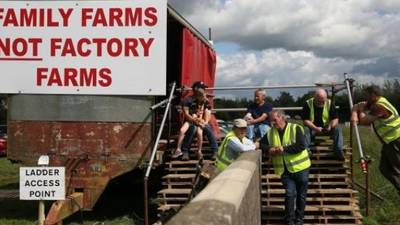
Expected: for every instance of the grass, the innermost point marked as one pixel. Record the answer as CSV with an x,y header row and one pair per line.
x,y
9,174
381,213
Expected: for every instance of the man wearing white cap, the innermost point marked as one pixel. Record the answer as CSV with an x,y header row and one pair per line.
x,y
234,144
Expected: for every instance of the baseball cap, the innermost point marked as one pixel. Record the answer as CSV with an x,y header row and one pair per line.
x,y
240,123
199,85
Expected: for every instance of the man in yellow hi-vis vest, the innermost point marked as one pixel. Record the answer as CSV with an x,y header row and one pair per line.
x,y
235,142
321,118
385,119
286,145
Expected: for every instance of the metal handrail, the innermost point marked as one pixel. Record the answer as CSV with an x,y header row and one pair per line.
x,y
153,154
362,158
162,103
265,87
244,109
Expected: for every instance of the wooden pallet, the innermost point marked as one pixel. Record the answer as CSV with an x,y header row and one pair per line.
x,y
179,179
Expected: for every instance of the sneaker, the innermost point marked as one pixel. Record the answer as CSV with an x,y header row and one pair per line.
x,y
185,156
177,154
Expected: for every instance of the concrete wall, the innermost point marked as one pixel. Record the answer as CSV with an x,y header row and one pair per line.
x,y
232,198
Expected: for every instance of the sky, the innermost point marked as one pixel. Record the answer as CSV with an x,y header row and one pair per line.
x,y
269,42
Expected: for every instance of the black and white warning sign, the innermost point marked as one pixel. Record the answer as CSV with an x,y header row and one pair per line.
x,y
42,183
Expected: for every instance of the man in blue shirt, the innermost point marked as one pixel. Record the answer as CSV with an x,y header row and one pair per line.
x,y
257,116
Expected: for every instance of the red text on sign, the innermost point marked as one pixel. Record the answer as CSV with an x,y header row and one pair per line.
x,y
19,46
119,17
73,77
113,47
34,17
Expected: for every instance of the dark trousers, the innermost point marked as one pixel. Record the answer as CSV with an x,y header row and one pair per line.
x,y
390,163
189,135
335,133
295,185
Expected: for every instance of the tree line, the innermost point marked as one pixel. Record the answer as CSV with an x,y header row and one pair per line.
x,y
390,90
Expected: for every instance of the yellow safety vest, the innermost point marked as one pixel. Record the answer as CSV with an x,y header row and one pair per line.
x,y
293,162
223,160
325,112
388,129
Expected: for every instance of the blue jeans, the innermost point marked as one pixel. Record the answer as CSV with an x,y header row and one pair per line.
x,y
295,185
207,130
257,130
335,133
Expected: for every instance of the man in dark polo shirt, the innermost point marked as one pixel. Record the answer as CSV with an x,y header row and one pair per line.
x,y
321,118
257,116
385,119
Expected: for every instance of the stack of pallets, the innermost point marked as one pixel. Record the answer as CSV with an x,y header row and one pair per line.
x,y
179,179
330,197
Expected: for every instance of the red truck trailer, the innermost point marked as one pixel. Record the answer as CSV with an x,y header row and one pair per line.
x,y
100,137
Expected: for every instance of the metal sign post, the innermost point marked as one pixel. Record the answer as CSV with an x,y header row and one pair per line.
x,y
43,161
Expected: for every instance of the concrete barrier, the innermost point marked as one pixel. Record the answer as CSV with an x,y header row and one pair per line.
x,y
232,198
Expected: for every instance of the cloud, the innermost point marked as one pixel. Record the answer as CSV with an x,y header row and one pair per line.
x,y
189,7
281,67
332,28
267,42
386,65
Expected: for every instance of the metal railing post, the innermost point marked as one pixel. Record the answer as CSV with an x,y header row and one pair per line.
x,y
169,127
363,161
368,194
351,139
362,158
153,154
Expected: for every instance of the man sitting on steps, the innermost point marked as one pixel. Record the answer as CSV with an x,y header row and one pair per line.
x,y
320,118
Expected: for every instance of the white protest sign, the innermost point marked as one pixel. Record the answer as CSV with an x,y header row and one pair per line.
x,y
83,47
42,183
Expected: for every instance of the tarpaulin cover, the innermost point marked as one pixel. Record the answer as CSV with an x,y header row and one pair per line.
x,y
198,61
198,64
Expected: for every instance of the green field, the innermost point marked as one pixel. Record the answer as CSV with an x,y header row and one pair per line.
x,y
122,212
382,213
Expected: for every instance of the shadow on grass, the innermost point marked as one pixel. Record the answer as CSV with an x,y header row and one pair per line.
x,y
10,186
122,202
16,209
